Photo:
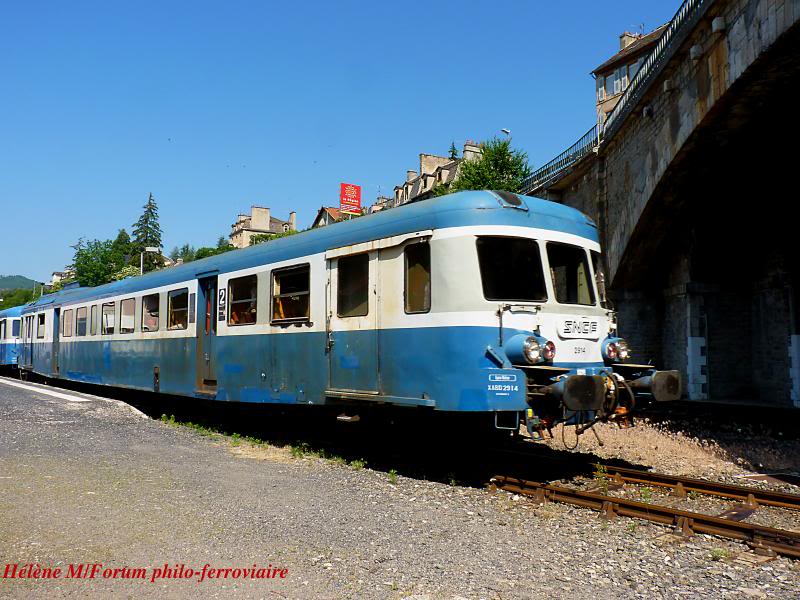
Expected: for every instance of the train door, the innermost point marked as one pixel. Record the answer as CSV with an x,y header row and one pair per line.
x,y
56,332
352,323
207,333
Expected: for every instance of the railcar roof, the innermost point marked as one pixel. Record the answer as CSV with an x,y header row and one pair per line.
x,y
14,311
452,210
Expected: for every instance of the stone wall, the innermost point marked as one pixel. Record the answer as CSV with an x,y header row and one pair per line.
x,y
686,194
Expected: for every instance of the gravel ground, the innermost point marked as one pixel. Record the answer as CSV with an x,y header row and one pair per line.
x,y
95,482
727,454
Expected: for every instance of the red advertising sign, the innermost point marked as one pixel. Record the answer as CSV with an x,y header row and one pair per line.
x,y
350,199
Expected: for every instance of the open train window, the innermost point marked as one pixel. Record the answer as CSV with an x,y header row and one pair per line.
x,y
352,291
569,269
290,294
80,322
127,312
150,312
107,327
15,328
511,269
418,278
40,325
93,326
66,323
242,300
178,309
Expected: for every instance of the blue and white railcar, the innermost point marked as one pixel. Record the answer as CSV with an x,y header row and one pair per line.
x,y
476,302
10,336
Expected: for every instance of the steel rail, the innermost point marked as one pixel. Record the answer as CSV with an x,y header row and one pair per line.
x,y
764,540
682,485
751,496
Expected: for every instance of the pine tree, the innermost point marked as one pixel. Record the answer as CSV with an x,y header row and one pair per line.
x,y
147,232
122,250
453,151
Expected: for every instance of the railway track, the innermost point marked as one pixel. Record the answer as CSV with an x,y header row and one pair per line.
x,y
682,486
763,540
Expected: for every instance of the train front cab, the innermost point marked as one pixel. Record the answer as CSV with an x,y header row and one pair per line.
x,y
555,328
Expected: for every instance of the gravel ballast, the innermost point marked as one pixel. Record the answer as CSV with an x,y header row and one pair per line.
x,y
85,482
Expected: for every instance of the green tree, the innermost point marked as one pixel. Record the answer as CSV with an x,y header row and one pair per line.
x,y
185,253
205,252
223,245
93,262
260,238
453,151
498,168
17,297
147,232
122,250
125,272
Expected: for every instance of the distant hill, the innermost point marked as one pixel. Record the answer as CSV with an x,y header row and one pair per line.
x,y
14,282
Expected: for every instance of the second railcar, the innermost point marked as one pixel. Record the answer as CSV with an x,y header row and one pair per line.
x,y
10,326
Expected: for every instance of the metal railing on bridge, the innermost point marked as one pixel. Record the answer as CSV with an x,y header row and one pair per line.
x,y
675,33
543,175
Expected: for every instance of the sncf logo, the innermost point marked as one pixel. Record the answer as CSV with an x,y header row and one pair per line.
x,y
582,327
579,328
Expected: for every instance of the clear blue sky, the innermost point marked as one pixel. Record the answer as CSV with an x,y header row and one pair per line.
x,y
214,106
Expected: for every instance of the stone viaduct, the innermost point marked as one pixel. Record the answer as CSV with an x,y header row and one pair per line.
x,y
690,181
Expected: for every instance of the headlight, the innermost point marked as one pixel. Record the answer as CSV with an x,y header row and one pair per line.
x,y
536,351
528,349
623,351
617,350
532,350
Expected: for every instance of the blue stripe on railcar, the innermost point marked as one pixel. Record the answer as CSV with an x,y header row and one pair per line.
x,y
454,375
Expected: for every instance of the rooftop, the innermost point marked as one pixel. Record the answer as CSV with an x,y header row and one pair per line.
x,y
634,48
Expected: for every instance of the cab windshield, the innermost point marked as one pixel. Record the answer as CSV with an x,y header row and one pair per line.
x,y
569,270
511,269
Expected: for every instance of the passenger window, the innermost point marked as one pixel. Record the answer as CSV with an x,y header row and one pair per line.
x,y
127,310
178,309
352,292
290,294
242,299
150,312
80,322
569,270
94,320
3,329
66,323
40,326
15,325
107,327
418,278
511,269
